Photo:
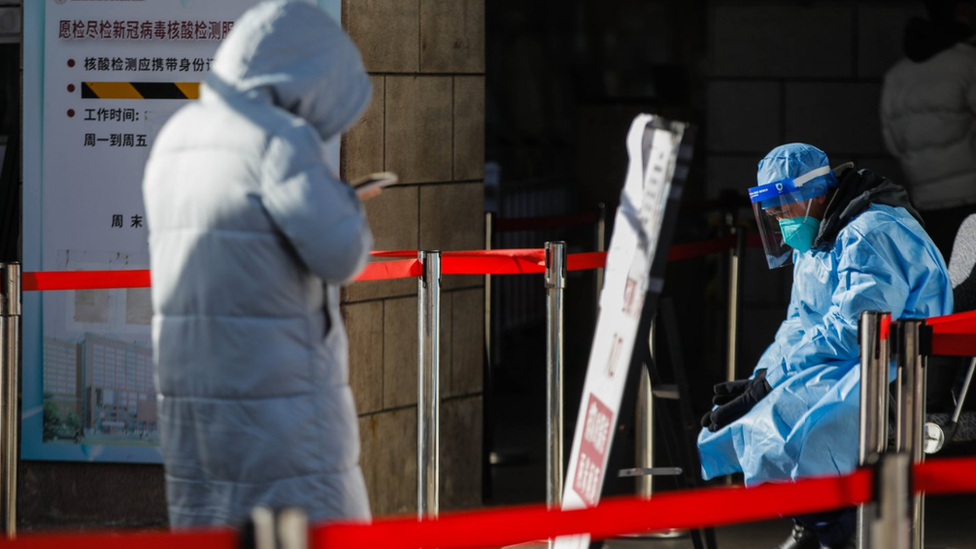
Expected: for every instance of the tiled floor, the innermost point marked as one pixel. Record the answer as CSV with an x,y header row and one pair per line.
x,y
950,520
519,440
950,524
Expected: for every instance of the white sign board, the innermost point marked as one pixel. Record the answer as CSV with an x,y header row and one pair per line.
x,y
637,227
100,80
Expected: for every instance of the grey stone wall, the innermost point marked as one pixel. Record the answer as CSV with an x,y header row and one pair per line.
x,y
784,71
426,123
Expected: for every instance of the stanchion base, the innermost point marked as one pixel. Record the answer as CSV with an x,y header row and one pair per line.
x,y
672,533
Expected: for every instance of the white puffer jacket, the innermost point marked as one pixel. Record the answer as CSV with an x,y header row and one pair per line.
x,y
928,119
250,235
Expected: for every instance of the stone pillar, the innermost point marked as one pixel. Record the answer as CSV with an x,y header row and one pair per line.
x,y
425,123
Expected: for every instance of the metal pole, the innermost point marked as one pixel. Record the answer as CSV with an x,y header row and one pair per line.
x,y
911,412
735,269
645,470
555,284
873,406
487,319
292,529
645,422
918,452
428,405
601,230
890,526
10,387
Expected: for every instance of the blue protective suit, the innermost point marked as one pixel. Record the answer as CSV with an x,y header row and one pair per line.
x,y
871,255
250,236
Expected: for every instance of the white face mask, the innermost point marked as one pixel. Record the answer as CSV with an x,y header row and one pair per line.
x,y
330,153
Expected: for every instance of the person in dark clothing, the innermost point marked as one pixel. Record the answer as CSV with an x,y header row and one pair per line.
x,y
928,116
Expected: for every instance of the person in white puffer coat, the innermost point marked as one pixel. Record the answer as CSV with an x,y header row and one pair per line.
x,y
250,236
928,116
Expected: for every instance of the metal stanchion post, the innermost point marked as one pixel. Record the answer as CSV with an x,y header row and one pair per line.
x,y
487,319
428,405
555,284
735,269
911,412
645,432
601,230
890,526
293,529
10,384
3,401
874,407
644,443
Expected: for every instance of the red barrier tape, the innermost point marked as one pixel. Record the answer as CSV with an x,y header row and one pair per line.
x,y
209,539
946,476
954,335
84,280
387,270
616,516
476,262
493,528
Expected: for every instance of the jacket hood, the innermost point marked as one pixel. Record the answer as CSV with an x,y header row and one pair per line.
x,y
924,39
294,56
859,189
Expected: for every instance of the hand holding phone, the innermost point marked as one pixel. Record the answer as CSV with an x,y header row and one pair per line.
x,y
371,185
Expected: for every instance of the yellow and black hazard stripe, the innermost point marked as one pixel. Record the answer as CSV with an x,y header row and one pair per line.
x,y
140,90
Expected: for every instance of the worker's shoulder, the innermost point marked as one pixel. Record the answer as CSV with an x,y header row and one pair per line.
x,y
881,223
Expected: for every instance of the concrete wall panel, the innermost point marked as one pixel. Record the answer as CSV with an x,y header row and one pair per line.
x,y
743,116
452,36
781,39
364,323
419,128
389,460
363,145
387,33
840,118
469,127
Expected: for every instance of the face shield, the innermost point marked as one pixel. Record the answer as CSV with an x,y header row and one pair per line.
x,y
783,206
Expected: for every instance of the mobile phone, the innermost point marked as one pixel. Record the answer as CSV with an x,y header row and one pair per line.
x,y
374,181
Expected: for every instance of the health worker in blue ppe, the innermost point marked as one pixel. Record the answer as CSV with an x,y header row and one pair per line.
x,y
856,244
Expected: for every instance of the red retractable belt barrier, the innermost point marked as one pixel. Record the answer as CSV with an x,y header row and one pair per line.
x,y
615,516
954,335
404,265
84,280
387,270
203,539
946,476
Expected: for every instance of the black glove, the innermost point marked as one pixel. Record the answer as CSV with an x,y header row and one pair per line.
x,y
734,399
